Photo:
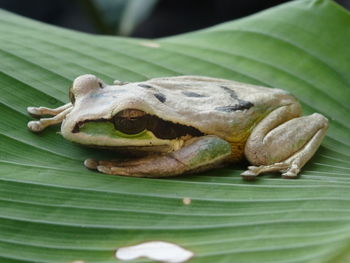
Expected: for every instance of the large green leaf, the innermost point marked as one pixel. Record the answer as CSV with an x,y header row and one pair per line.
x,y
55,210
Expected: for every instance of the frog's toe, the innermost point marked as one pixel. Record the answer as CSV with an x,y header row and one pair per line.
x,y
91,164
250,174
114,170
34,112
292,172
104,169
289,176
35,126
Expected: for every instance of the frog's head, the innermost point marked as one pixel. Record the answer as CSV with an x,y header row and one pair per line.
x,y
122,117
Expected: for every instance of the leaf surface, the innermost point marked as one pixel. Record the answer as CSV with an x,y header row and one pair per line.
x,y
55,210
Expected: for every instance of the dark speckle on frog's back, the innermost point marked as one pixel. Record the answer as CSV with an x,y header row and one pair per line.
x,y
193,94
160,96
146,86
245,105
239,103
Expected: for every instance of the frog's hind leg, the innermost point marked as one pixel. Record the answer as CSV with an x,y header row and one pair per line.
x,y
39,111
284,142
198,154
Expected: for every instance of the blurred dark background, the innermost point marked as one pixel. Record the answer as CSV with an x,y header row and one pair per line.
x,y
138,18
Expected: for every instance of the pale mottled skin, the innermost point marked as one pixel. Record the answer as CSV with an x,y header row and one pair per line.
x,y
229,121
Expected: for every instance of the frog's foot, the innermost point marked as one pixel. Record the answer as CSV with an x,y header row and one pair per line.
x,y
59,115
289,171
198,154
284,142
254,171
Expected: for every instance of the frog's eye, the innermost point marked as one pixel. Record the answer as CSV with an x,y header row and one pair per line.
x,y
84,84
130,121
130,125
71,95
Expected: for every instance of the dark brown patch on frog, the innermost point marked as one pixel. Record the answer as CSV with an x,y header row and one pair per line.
x,y
242,104
162,129
160,96
193,94
168,130
145,86
232,93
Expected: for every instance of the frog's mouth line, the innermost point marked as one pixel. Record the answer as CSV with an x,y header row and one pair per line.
x,y
134,125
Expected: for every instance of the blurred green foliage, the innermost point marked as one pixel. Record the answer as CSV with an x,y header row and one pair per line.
x,y
118,17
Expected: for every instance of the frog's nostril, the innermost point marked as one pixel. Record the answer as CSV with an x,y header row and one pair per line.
x,y
71,95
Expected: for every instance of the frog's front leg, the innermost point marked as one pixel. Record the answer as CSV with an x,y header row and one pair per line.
x,y
198,154
284,142
39,111
41,124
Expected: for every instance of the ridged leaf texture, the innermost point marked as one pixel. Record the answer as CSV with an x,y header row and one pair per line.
x,y
52,209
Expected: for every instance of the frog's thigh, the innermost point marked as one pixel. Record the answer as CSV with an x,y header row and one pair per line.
x,y
284,142
197,155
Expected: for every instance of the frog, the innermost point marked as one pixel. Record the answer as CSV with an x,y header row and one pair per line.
x,y
169,126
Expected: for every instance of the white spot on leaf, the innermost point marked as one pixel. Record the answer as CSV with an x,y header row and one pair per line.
x,y
186,201
150,44
155,250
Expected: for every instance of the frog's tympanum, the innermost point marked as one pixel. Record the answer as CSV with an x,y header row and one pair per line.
x,y
187,124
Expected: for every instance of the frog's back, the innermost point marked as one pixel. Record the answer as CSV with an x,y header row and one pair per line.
x,y
217,106
219,92
220,107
